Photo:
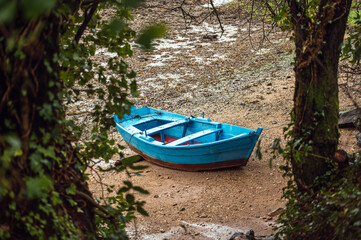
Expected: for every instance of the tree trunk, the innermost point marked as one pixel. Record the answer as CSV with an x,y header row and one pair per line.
x,y
318,44
31,113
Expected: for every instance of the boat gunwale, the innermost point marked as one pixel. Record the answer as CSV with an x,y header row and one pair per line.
x,y
176,117
200,145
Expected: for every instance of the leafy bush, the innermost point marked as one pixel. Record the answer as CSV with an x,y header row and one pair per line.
x,y
47,50
330,208
332,212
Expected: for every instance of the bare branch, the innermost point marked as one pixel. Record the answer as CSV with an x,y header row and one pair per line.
x,y
269,8
87,17
216,12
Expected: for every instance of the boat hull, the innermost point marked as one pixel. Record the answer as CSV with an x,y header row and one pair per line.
x,y
192,167
196,144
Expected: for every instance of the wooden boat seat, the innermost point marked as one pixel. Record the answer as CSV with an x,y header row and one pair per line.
x,y
160,128
193,137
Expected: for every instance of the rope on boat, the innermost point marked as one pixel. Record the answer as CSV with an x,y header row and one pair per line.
x,y
284,142
348,108
277,126
262,135
145,116
133,135
341,110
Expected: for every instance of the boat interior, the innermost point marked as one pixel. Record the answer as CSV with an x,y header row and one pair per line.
x,y
182,131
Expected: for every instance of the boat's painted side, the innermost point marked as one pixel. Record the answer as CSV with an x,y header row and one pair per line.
x,y
218,145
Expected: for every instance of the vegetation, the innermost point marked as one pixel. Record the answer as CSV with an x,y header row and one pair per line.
x,y
46,62
46,50
331,212
323,197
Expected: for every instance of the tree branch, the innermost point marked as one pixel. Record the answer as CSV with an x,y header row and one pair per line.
x,y
87,18
91,201
269,8
216,12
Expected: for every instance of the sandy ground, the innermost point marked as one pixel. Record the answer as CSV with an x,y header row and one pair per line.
x,y
196,69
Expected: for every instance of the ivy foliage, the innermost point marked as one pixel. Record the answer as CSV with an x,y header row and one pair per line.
x,y
329,207
47,50
351,50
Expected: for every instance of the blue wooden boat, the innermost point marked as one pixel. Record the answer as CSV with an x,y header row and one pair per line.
x,y
186,143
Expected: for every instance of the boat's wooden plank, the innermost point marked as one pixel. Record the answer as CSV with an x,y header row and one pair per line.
x,y
192,137
133,130
158,129
145,120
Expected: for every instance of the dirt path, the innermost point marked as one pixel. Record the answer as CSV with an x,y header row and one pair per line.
x,y
197,70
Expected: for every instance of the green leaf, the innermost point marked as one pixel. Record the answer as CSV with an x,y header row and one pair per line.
x,y
357,224
141,210
72,202
123,189
35,162
128,183
35,8
47,152
141,190
150,33
14,141
138,168
130,198
130,160
7,10
71,190
276,144
133,3
12,206
134,89
132,74
3,192
37,187
115,27
13,150
55,199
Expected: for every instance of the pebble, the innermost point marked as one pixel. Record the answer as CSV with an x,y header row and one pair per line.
x,y
275,212
358,137
156,196
285,87
182,209
250,235
118,163
237,236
